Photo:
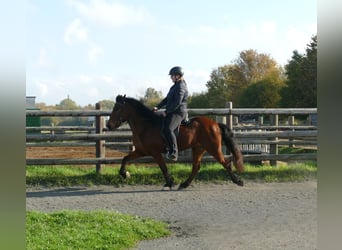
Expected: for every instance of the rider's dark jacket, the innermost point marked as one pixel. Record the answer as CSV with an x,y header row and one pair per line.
x,y
176,99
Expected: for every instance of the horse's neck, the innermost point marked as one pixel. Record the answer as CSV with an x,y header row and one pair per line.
x,y
137,123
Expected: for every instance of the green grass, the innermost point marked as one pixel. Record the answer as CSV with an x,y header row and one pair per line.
x,y
283,173
295,150
89,230
147,175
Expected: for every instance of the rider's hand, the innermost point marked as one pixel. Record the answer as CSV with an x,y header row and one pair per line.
x,y
155,109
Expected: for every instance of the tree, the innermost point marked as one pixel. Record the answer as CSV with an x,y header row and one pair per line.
x,y
218,87
107,104
198,100
262,94
67,104
227,83
301,84
152,97
48,120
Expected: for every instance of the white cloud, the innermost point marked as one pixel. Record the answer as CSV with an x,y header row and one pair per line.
x,y
298,38
84,78
43,89
106,79
268,28
43,60
75,32
93,93
94,53
110,13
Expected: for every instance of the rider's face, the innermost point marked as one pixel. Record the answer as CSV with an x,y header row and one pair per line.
x,y
174,77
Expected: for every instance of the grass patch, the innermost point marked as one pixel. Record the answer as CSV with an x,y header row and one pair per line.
x,y
283,173
89,230
147,175
294,150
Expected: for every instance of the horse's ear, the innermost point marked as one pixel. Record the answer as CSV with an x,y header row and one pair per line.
x,y
121,99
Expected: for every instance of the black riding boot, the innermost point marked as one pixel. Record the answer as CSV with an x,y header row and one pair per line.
x,y
173,153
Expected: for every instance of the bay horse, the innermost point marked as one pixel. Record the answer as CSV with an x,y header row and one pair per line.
x,y
201,134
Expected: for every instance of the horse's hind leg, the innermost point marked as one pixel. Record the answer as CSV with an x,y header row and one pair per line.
x,y
197,154
227,164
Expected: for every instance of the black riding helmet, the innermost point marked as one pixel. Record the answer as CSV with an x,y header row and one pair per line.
x,y
176,71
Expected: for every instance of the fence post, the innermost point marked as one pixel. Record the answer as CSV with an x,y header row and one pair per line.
x,y
52,131
260,120
291,122
274,147
229,118
100,144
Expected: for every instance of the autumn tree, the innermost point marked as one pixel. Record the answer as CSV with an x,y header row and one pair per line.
x,y
301,84
228,82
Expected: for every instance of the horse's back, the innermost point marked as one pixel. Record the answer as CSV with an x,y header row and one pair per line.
x,y
199,130
205,124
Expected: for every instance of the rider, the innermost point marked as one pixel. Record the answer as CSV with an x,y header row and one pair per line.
x,y
175,110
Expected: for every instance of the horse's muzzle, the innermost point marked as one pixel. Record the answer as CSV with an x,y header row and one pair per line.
x,y
109,126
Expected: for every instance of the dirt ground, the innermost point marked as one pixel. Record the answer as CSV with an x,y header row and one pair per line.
x,y
204,216
67,152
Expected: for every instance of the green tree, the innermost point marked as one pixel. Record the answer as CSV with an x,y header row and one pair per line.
x,y
152,97
219,87
228,82
198,100
67,104
262,94
48,120
107,104
301,84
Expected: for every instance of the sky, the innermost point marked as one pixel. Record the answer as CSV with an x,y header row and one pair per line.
x,y
92,50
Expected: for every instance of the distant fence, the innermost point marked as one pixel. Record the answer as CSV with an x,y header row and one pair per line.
x,y
259,136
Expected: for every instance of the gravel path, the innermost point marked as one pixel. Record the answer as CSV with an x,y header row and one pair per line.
x,y
205,216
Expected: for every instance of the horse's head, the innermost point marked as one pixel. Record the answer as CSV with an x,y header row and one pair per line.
x,y
119,114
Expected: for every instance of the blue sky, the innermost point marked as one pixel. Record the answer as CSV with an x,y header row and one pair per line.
x,y
96,49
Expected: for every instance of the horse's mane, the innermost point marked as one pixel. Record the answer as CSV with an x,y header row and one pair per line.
x,y
147,113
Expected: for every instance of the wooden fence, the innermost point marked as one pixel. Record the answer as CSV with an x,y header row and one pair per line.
x,y
259,139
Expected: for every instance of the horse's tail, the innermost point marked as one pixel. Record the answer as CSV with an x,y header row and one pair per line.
x,y
229,141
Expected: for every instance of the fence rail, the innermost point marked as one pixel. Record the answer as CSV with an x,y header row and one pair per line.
x,y
250,136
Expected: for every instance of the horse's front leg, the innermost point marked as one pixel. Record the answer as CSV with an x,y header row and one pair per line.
x,y
168,178
197,154
131,156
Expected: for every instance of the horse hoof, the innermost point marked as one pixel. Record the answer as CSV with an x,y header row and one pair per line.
x,y
128,175
182,186
239,183
125,175
166,188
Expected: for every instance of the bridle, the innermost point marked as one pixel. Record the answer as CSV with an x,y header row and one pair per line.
x,y
120,119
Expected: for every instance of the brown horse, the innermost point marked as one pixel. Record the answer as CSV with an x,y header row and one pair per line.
x,y
201,134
